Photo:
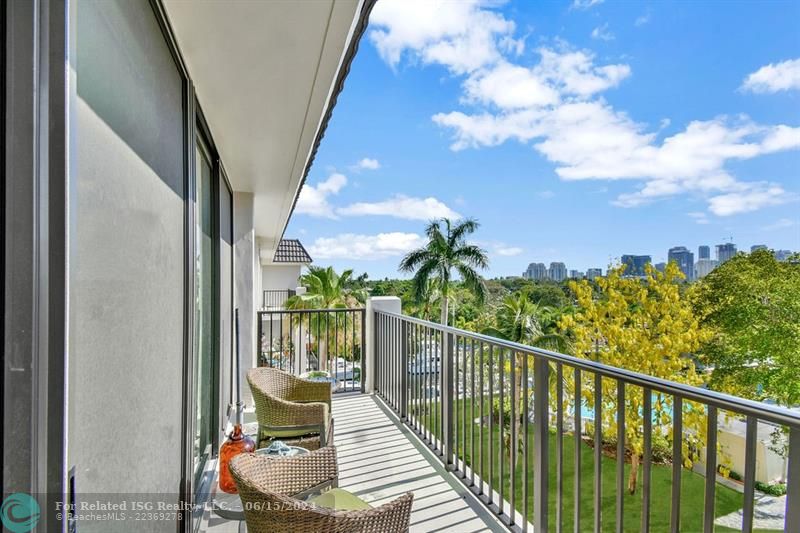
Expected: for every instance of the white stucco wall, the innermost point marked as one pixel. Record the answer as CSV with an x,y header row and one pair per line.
x,y
245,283
280,276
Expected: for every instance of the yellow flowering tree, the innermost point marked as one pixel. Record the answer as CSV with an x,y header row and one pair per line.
x,y
645,325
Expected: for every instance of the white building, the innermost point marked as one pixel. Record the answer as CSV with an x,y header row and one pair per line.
x,y
536,272
557,271
703,267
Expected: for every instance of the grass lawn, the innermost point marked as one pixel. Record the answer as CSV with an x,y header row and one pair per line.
x,y
692,487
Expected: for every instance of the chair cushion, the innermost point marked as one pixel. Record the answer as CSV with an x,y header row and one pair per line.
x,y
340,500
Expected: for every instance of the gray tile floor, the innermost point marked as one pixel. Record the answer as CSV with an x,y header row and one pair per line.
x,y
379,459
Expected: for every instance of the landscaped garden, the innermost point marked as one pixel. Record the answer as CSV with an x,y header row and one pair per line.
x,y
692,487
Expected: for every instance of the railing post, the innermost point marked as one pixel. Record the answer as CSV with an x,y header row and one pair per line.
x,y
403,370
447,399
372,351
541,437
793,482
259,338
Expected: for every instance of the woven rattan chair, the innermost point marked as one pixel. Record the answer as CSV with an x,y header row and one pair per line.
x,y
271,490
294,410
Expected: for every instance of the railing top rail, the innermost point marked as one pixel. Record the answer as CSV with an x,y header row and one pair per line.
x,y
764,412
298,311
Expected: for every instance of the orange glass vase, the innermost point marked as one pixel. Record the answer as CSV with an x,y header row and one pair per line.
x,y
235,444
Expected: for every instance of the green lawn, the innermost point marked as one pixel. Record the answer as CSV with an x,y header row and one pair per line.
x,y
692,487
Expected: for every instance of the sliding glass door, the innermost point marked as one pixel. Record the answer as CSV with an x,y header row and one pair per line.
x,y
205,311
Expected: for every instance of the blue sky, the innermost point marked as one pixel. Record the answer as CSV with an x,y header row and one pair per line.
x,y
573,131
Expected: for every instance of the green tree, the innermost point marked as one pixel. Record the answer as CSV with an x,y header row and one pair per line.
x,y
648,326
520,320
446,251
325,289
752,305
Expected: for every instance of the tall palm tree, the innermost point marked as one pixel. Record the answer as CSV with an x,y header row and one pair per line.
x,y
447,250
520,320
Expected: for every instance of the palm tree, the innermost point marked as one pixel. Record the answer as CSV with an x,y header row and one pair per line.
x,y
325,289
520,320
447,251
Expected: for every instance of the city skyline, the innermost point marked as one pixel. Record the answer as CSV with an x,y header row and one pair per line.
x,y
697,257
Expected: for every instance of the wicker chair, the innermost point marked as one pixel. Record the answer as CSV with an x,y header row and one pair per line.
x,y
294,410
271,488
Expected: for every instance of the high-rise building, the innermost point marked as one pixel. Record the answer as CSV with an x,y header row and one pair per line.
x,y
575,274
557,271
635,264
592,273
757,247
703,252
684,259
535,271
661,267
783,255
725,252
703,267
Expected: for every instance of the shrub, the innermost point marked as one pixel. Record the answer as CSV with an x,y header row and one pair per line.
x,y
775,489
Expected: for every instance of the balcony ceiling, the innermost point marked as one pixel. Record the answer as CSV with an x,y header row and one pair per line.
x,y
264,73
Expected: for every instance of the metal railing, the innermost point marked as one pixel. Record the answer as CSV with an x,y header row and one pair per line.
x,y
275,298
451,387
305,340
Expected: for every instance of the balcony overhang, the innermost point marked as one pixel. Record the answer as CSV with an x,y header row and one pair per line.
x,y
267,75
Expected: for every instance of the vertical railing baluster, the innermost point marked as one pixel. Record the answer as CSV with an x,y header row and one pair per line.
x,y
793,481
480,418
578,434
541,440
677,463
271,341
559,447
456,436
472,414
501,441
526,456
448,397
280,337
463,407
711,470
751,434
620,454
260,343
362,363
404,370
428,392
598,452
491,423
647,455
512,452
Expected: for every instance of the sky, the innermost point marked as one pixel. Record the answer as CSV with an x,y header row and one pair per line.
x,y
572,131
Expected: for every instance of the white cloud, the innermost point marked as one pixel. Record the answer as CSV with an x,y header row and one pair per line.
x,y
401,206
313,200
367,163
461,35
642,20
545,194
748,200
774,77
556,106
508,251
699,217
365,247
509,87
602,33
782,223
585,4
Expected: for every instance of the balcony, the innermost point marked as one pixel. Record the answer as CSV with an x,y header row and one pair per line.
x,y
429,428
275,298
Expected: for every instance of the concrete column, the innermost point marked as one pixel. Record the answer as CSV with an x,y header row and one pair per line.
x,y
245,282
390,304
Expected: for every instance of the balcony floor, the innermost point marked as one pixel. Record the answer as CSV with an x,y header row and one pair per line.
x,y
380,459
